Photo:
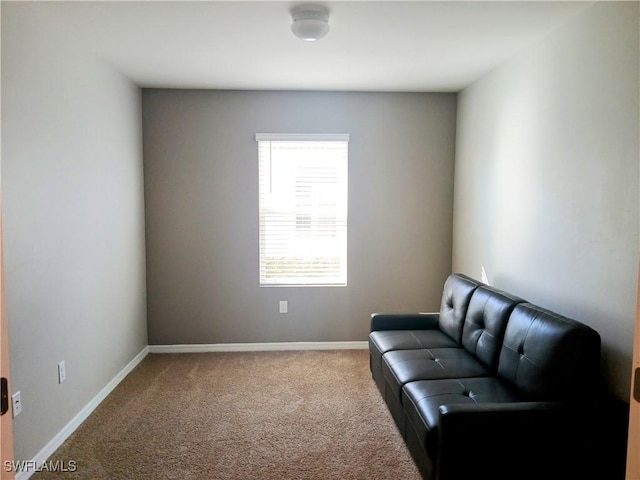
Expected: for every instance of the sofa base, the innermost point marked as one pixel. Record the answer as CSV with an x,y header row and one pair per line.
x,y
395,408
425,465
376,374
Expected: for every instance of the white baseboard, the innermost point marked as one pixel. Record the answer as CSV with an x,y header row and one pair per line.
x,y
257,347
75,422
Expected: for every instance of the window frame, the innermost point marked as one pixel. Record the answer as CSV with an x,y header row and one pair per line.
x,y
295,280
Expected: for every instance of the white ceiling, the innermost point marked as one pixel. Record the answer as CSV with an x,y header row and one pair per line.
x,y
372,45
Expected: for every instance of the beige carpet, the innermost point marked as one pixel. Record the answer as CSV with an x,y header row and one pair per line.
x,y
241,416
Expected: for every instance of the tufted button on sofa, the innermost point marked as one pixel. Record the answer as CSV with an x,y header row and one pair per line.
x,y
490,387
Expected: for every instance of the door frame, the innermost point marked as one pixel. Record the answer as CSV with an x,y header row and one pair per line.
x,y
6,420
633,441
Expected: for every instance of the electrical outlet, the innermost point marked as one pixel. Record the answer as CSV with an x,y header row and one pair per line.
x,y
62,372
284,306
16,404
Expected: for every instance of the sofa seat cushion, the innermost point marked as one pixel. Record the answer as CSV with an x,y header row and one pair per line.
x,y
403,366
421,400
384,341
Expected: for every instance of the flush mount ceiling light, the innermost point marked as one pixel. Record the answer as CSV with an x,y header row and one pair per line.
x,y
310,22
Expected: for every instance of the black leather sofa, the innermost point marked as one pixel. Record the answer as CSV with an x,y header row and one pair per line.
x,y
491,387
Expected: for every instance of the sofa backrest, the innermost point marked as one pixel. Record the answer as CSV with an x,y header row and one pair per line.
x,y
548,356
456,294
484,326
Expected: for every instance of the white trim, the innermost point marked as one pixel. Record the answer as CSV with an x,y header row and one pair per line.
x,y
76,421
257,347
302,137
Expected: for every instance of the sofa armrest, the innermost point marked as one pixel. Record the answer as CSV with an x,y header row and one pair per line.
x,y
524,440
404,321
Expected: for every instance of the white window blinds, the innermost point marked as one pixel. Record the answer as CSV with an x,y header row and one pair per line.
x,y
303,209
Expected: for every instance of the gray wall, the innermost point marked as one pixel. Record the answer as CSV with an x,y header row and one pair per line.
x,y
73,222
201,197
546,185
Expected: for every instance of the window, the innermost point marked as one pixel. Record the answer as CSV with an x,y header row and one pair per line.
x,y
303,209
